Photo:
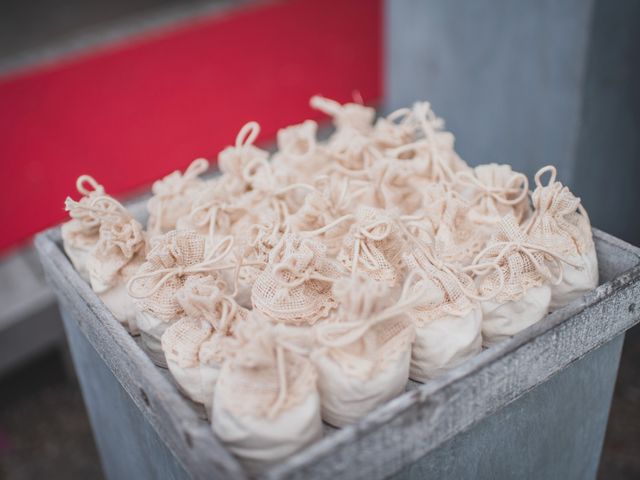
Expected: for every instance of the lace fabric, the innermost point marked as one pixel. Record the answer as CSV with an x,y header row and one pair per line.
x,y
449,290
559,220
173,258
513,263
295,288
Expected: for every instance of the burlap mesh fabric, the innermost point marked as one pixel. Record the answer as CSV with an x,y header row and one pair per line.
x,y
254,381
373,245
213,351
557,221
174,250
295,288
119,252
521,265
181,341
446,288
210,315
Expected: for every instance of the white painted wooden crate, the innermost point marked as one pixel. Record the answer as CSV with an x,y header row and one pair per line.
x,y
534,406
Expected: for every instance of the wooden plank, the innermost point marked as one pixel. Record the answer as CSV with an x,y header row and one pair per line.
x,y
553,432
128,444
190,439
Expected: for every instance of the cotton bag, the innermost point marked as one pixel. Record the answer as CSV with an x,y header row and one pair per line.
x,y
519,272
299,155
295,288
494,191
363,354
322,213
174,257
562,225
192,345
120,251
266,405
173,197
447,320
81,233
373,246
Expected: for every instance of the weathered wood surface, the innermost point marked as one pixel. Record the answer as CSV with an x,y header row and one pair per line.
x,y
396,434
189,438
128,444
553,432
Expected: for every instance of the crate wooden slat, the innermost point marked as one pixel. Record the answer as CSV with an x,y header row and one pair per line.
x,y
390,439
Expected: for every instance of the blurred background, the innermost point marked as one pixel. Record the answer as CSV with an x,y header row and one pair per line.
x,y
129,91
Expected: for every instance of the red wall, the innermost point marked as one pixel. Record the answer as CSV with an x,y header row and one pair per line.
x,y
131,112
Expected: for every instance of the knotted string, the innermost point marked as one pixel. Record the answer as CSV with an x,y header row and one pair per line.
x,y
342,334
209,264
299,277
498,194
552,204
525,248
95,187
282,345
443,266
98,207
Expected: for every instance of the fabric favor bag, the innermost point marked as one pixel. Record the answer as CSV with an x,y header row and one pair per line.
x,y
81,234
266,405
193,345
494,191
519,272
174,257
562,225
447,320
373,246
173,197
362,356
120,251
295,288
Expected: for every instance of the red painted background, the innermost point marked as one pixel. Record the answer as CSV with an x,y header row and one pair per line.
x,y
134,111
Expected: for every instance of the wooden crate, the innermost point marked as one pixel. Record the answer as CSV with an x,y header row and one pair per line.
x,y
534,406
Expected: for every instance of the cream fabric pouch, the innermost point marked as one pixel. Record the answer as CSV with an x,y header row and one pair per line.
x,y
295,288
362,356
173,197
174,257
520,273
81,234
447,321
120,251
562,225
266,405
192,345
